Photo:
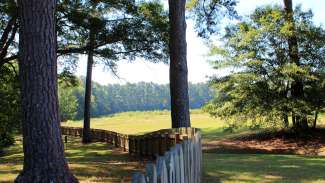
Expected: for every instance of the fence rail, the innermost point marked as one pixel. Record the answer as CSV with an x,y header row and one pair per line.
x,y
177,152
148,145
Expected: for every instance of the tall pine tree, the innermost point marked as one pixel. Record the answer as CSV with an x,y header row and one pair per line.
x,y
44,159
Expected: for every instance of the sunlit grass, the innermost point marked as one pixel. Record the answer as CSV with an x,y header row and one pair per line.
x,y
95,162
142,122
263,168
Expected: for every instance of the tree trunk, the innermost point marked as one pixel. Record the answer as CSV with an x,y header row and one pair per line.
x,y
44,159
293,119
297,86
285,120
178,65
86,135
315,120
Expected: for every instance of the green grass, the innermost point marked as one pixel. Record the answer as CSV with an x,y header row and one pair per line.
x,y
142,122
98,163
95,162
258,168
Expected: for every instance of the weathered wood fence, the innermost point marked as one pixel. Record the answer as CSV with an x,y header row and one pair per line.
x,y
148,145
181,164
177,153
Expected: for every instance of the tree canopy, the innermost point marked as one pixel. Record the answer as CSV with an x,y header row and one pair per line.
x,y
260,87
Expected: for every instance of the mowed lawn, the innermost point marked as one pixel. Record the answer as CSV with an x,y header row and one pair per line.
x,y
95,162
99,163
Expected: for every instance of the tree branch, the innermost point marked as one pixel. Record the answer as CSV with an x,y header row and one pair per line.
x,y
6,32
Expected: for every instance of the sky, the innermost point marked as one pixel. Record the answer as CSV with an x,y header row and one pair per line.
x,y
199,69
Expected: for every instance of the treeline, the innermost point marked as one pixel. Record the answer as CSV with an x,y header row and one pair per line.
x,y
113,98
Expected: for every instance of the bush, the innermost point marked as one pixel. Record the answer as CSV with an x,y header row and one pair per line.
x,y
6,139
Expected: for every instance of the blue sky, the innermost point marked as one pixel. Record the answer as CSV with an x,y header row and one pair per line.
x,y
199,68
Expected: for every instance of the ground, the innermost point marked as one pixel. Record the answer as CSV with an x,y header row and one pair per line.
x,y
228,157
96,162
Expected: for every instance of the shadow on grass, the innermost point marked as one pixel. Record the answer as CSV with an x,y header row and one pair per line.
x,y
263,168
95,162
210,134
98,162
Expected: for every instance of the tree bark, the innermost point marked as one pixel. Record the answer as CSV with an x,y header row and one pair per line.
x,y
86,137
315,120
178,65
297,86
285,120
44,159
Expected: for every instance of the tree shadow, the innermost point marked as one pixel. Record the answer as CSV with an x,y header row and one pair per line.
x,y
94,162
100,162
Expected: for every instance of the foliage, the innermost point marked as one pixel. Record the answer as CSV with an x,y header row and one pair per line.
x,y
10,115
114,98
68,103
208,14
256,49
123,29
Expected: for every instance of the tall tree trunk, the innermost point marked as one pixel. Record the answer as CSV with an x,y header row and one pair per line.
x,y
86,137
315,119
285,120
178,65
297,86
44,159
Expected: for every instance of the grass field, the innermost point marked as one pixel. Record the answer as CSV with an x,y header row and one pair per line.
x,y
98,163
142,122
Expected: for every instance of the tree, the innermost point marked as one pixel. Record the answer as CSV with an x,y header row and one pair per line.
x,y
263,86
178,65
68,103
44,159
110,31
203,10
297,89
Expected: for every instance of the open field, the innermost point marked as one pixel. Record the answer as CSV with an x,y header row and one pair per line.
x,y
98,162
142,122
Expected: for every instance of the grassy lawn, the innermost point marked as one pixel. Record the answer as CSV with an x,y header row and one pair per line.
x,y
263,168
97,162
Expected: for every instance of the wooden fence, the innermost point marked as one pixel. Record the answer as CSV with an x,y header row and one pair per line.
x,y
177,152
181,164
149,145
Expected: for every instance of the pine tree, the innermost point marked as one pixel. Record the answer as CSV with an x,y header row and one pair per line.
x,y
44,159
178,65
